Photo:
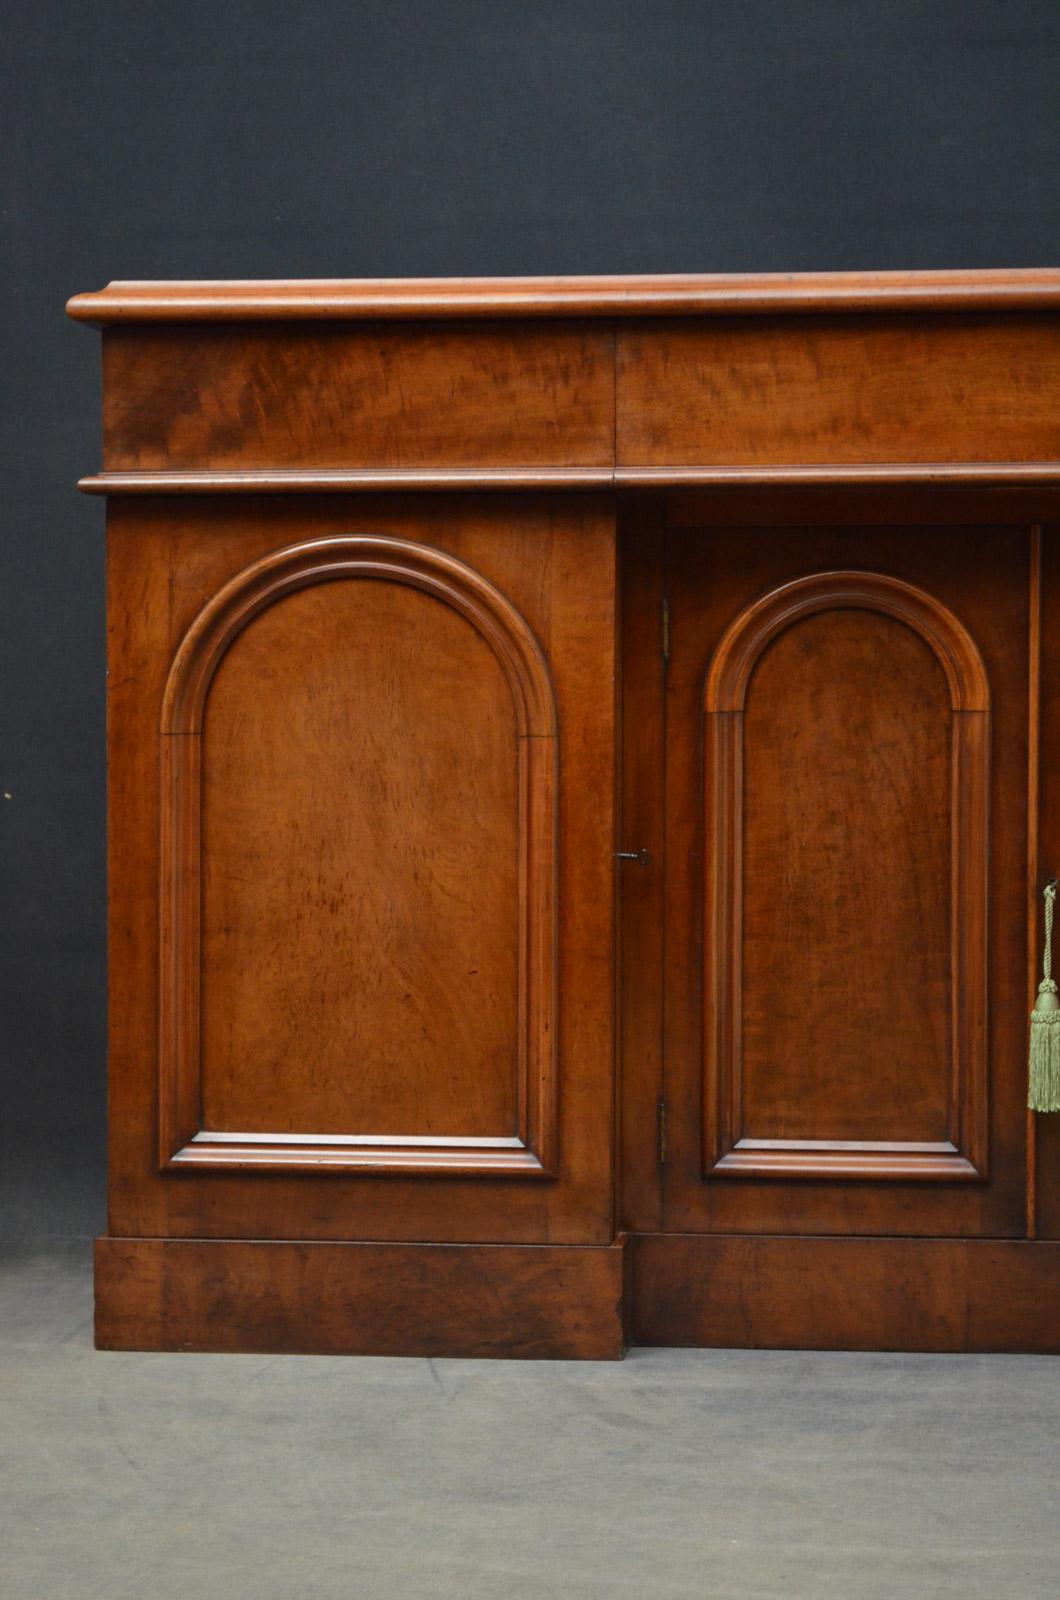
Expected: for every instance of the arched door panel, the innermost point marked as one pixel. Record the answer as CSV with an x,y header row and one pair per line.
x,y
358,910
846,740
847,716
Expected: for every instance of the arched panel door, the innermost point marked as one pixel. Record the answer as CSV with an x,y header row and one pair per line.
x,y
357,900
846,940
846,745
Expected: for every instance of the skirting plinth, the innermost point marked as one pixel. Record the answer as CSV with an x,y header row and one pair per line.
x,y
845,1294
315,1298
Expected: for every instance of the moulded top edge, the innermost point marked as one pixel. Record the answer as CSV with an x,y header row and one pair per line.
x,y
1029,288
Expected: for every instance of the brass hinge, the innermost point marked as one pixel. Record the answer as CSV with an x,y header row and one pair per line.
x,y
666,627
662,1133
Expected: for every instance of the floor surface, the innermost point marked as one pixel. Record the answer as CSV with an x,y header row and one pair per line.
x,y
719,1475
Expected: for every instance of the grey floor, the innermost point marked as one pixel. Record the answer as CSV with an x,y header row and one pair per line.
x,y
712,1474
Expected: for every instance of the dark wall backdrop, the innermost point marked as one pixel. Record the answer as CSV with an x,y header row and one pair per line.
x,y
222,138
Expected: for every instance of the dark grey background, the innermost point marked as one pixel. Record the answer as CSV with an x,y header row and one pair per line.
x,y
217,138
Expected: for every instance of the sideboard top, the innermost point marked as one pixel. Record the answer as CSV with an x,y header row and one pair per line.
x,y
1032,288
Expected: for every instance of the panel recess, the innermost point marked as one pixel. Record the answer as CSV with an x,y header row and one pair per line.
x,y
357,890
847,762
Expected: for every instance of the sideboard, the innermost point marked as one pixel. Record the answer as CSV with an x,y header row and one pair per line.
x,y
584,760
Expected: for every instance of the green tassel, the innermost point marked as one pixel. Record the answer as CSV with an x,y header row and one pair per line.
x,y
1043,1092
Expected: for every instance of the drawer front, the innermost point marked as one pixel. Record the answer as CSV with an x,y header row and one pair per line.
x,y
335,395
758,391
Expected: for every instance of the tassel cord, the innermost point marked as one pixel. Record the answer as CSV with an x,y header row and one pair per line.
x,y
1043,1088
1047,958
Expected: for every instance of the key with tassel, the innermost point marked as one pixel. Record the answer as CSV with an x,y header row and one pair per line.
x,y
1043,1092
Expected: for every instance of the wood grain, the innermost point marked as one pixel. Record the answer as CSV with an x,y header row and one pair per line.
x,y
1034,901
856,989
374,898
531,1302
361,875
845,1294
362,583
1045,1130
554,562
987,476
811,390
642,920
846,887
345,480
691,294
332,396
848,504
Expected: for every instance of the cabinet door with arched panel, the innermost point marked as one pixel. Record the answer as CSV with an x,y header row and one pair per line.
x,y
359,743
847,755
373,870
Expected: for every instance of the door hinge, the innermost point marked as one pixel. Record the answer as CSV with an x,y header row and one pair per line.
x,y
666,627
662,1133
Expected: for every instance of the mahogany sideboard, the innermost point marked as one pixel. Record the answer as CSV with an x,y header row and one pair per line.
x,y
584,762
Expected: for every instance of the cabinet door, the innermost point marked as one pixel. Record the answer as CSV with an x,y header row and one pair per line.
x,y
370,869
847,716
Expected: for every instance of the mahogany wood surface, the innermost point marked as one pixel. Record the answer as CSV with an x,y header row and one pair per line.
x,y
530,1301
805,390
1045,1130
986,475
581,760
870,703
845,1294
551,565
793,394
845,504
833,1030
344,480
693,294
459,395
359,887
642,833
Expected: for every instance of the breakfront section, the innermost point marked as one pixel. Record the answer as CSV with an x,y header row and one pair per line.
x,y
362,710
581,790
351,880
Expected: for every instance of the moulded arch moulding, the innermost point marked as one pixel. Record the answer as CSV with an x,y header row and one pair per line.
x,y
760,623
728,1151
359,556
